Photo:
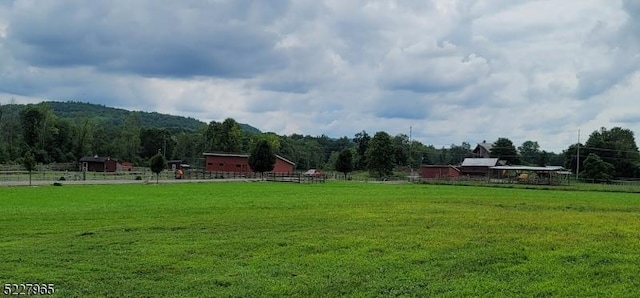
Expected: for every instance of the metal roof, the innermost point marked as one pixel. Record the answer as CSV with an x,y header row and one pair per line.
x,y
527,168
479,162
245,156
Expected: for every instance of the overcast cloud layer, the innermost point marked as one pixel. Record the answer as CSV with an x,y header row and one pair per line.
x,y
454,70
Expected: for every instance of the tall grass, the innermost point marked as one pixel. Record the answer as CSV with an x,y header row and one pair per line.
x,y
333,239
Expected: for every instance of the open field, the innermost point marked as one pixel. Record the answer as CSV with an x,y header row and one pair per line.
x,y
332,239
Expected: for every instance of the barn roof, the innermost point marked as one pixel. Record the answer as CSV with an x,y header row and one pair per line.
x,y
244,156
527,168
96,159
486,146
479,162
441,167
226,154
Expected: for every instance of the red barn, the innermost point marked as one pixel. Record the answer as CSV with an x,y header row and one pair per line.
x,y
100,164
439,172
239,163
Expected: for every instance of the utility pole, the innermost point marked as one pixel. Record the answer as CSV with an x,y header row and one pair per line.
x,y
578,158
410,145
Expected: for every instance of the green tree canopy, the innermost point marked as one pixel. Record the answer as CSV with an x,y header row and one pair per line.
x,y
128,141
504,149
616,147
456,154
262,158
344,164
597,169
32,119
157,163
380,155
401,149
224,137
530,152
154,139
361,141
571,157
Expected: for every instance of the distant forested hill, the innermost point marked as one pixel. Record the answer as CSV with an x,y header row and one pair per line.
x,y
71,110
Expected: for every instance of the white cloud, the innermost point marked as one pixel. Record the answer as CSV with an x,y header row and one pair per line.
x,y
453,70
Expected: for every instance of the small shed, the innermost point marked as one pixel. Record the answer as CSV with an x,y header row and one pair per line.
x,y
177,164
100,164
439,172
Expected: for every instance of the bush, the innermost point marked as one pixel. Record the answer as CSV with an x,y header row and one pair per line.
x,y
62,178
57,184
138,177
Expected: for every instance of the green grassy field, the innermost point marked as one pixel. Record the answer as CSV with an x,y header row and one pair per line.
x,y
333,239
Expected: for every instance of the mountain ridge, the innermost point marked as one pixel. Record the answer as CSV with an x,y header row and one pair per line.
x,y
70,110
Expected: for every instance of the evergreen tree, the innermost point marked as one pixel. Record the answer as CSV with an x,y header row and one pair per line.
x,y
157,163
262,158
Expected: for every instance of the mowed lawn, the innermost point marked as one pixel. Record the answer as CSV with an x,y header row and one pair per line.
x,y
335,239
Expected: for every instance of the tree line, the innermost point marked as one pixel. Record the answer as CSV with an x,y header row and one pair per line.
x,y
36,130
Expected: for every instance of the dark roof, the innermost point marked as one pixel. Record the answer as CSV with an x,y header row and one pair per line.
x,y
441,166
484,145
96,159
225,154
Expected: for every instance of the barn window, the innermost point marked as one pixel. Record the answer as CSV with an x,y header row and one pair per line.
x,y
237,166
221,164
210,164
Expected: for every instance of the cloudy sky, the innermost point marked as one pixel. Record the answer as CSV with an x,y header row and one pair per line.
x,y
454,70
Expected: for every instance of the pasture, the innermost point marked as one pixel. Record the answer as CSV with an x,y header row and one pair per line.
x,y
335,239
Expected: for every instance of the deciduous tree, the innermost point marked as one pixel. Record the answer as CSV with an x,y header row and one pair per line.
x,y
401,149
344,164
597,169
380,155
32,119
530,152
616,147
361,140
154,139
504,149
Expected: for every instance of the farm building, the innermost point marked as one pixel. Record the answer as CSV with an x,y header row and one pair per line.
x,y
439,171
177,164
482,150
547,175
239,163
479,166
100,164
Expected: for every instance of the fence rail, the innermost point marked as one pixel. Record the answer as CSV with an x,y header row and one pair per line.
x,y
147,175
